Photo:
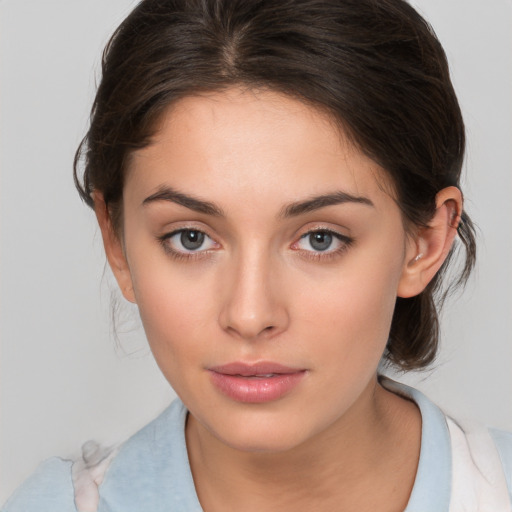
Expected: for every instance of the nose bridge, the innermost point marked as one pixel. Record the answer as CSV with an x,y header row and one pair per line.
x,y
252,306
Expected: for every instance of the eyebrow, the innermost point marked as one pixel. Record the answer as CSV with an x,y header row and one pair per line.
x,y
315,203
192,203
165,193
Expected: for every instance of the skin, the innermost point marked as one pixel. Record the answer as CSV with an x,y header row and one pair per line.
x,y
257,290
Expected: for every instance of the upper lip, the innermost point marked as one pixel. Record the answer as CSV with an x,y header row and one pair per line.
x,y
252,369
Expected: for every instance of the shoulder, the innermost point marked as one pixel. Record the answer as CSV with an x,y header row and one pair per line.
x,y
159,448
49,488
503,442
461,463
155,442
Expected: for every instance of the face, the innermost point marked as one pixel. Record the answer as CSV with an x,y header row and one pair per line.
x,y
265,253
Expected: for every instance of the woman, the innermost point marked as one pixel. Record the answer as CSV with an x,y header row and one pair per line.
x,y
278,189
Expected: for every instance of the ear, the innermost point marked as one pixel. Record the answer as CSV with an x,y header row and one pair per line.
x,y
428,249
113,247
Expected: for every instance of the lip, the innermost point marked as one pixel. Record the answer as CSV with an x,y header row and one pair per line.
x,y
255,383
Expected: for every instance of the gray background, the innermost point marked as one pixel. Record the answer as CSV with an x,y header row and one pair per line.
x,y
63,378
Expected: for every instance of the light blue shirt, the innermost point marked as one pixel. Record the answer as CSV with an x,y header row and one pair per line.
x,y
151,471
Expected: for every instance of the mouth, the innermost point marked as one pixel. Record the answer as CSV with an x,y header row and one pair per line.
x,y
255,383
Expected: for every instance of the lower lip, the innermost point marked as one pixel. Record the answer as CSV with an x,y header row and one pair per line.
x,y
256,390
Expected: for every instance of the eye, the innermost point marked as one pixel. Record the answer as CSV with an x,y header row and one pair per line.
x,y
186,241
322,241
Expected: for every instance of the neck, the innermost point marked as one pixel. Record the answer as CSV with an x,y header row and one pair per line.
x,y
353,465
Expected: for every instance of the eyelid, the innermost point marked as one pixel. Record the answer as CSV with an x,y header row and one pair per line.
x,y
186,254
345,242
322,228
335,234
176,227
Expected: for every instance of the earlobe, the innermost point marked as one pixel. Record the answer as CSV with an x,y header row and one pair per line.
x,y
113,248
429,248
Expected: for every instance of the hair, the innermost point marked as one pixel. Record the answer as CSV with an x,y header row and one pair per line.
x,y
375,66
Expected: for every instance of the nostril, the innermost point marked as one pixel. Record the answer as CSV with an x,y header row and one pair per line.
x,y
250,312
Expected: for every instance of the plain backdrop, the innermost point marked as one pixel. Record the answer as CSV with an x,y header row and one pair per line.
x,y
64,378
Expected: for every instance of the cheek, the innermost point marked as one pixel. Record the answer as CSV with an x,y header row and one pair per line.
x,y
175,308
353,310
369,303
173,320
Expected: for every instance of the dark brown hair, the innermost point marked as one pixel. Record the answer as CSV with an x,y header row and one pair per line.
x,y
375,65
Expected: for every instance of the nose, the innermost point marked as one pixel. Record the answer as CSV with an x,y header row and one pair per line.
x,y
253,304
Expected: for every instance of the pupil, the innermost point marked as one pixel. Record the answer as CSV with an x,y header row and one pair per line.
x,y
192,240
320,241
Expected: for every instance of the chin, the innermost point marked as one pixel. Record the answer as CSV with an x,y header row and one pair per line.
x,y
264,444
260,432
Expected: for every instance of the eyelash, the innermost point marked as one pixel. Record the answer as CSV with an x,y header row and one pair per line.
x,y
327,255
183,256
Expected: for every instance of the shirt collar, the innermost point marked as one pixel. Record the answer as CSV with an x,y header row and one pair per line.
x,y
432,486
166,483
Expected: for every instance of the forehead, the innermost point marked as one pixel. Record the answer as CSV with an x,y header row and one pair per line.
x,y
253,143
